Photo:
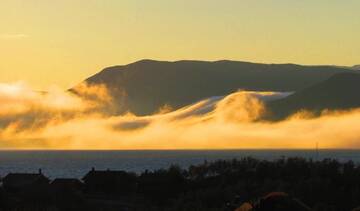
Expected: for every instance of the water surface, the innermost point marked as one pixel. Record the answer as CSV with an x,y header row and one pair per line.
x,y
69,164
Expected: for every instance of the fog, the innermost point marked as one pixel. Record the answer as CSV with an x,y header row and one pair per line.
x,y
61,120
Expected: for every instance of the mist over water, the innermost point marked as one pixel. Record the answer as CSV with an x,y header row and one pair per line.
x,y
63,120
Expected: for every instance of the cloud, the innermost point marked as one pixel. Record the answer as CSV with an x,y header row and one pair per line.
x,y
13,36
23,109
62,120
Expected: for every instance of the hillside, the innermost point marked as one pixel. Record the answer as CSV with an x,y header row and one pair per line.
x,y
340,91
145,86
356,67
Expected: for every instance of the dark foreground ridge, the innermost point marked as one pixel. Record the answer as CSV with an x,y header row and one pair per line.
x,y
293,184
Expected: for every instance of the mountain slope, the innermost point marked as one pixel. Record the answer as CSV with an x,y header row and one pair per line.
x,y
340,91
145,86
356,67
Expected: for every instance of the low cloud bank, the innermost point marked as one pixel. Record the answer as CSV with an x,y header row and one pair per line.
x,y
62,120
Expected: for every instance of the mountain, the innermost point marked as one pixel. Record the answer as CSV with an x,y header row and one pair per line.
x,y
356,67
145,86
340,91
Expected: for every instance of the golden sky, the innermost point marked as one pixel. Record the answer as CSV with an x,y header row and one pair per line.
x,y
46,42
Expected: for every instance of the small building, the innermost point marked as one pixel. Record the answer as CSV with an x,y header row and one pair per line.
x,y
67,193
14,182
66,184
110,182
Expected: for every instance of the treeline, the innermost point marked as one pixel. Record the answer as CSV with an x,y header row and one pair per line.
x,y
325,185
225,184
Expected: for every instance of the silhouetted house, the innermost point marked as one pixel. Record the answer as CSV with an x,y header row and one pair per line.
x,y
110,182
14,182
67,193
66,185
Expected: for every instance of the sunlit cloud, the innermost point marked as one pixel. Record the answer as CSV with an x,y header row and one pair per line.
x,y
62,120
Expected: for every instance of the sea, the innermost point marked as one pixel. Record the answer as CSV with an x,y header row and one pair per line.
x,y
75,164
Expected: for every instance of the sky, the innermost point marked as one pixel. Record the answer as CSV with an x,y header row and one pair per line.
x,y
46,43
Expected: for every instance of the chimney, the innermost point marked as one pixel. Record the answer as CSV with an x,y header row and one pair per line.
x,y
92,169
40,172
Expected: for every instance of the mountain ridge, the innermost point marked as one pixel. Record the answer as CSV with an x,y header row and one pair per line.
x,y
339,92
356,67
143,87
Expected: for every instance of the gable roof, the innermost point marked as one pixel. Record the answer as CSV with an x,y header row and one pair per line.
x,y
106,175
23,179
66,183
